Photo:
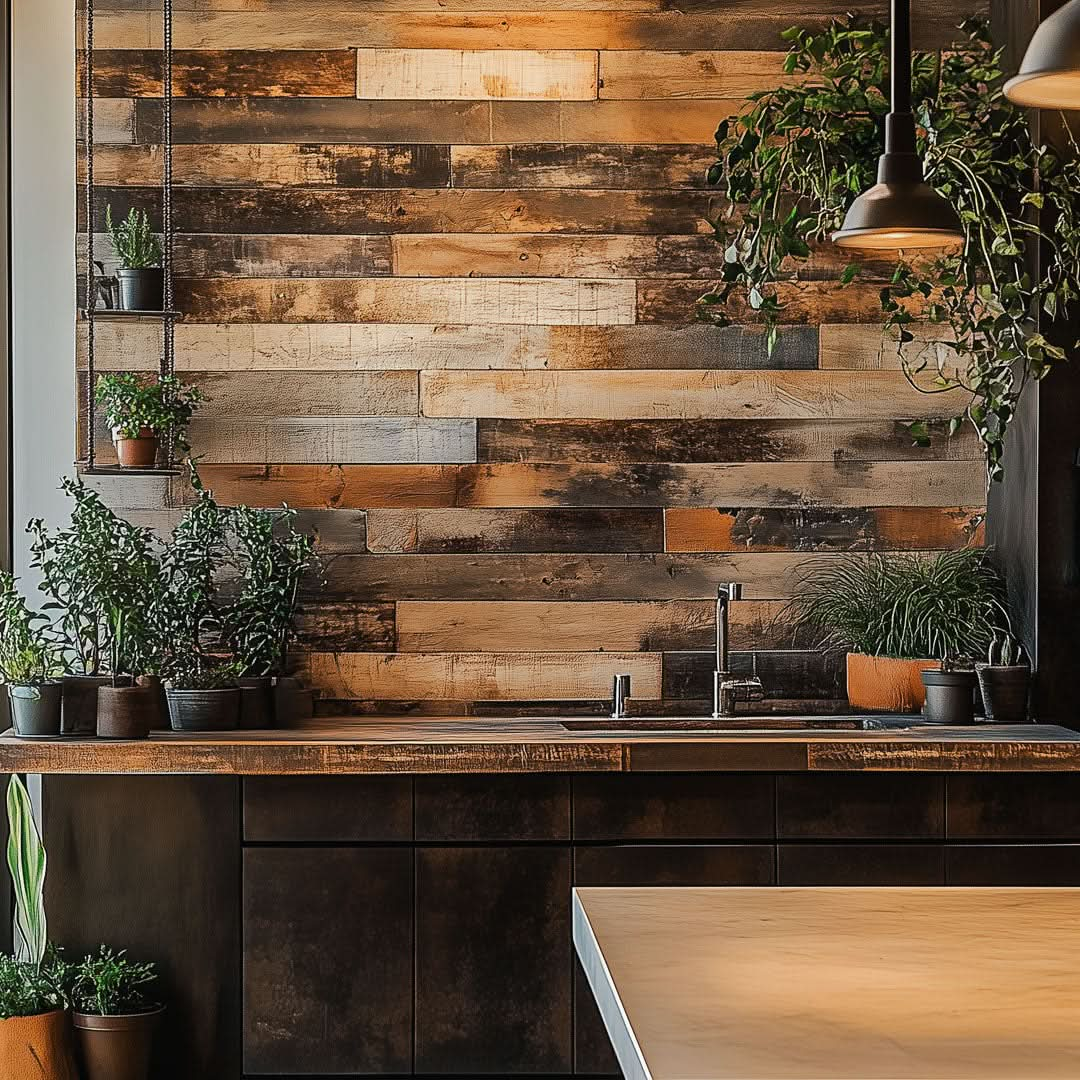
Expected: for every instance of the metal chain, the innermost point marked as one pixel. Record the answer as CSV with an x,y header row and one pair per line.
x,y
90,418
168,345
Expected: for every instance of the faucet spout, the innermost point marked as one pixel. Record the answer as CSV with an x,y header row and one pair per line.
x,y
728,691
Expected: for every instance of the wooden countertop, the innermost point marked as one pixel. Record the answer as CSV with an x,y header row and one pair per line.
x,y
778,984
493,745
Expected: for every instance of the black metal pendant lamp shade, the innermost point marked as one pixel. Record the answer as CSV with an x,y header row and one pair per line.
x,y
901,210
1049,77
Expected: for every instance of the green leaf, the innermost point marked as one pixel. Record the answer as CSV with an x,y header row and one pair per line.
x,y
26,861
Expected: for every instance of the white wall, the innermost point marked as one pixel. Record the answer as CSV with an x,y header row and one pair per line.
x,y
42,259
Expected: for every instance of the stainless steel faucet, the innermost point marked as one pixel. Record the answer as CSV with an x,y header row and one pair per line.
x,y
620,694
728,690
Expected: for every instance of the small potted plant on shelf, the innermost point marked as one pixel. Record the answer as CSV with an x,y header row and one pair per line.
x,y
142,412
1004,680
893,614
31,664
35,1039
114,1019
138,251
950,692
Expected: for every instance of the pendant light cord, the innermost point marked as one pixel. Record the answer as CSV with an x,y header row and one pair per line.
x,y
900,123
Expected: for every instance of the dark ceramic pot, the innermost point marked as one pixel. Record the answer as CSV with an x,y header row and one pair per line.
x,y
292,703
142,290
159,716
1004,692
204,710
80,703
950,697
125,712
256,703
116,1047
35,710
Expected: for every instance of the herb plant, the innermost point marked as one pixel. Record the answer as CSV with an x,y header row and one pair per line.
x,y
109,984
133,240
29,655
904,605
133,404
795,160
28,989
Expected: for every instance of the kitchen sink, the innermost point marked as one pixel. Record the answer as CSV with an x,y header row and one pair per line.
x,y
667,725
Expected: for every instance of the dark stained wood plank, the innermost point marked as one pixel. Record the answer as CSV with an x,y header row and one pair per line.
x,y
679,865
1037,865
860,864
467,532
334,926
282,256
704,440
345,626
871,529
1014,809
492,809
791,674
131,73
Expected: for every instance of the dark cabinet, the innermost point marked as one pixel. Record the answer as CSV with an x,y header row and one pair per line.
x,y
487,809
860,864
327,950
1019,806
493,960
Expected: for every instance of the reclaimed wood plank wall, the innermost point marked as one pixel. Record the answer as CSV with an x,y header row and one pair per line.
x,y
438,260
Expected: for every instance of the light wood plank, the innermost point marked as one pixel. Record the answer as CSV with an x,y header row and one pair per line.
x,y
547,302
114,120
859,347
368,6
452,74
606,626
779,484
643,73
477,676
676,394
240,396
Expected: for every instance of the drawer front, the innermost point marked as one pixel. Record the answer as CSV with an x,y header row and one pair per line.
x,y
1014,864
861,864
1014,806
492,808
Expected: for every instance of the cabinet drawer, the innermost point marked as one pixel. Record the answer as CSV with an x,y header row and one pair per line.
x,y
674,806
491,808
1005,806
1014,864
675,864
332,808
861,864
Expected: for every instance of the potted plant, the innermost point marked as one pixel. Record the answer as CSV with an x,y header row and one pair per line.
x,y
895,614
204,696
950,692
260,622
114,1020
34,1030
30,666
141,277
141,412
1004,681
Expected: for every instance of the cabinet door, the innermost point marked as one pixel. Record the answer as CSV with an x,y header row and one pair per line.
x,y
861,864
493,960
327,961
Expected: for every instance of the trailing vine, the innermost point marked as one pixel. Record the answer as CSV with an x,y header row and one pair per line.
x,y
792,163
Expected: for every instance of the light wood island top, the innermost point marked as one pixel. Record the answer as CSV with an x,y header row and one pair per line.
x,y
506,745
866,984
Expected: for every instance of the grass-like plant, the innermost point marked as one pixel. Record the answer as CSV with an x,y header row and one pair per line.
x,y
26,861
904,605
133,240
107,983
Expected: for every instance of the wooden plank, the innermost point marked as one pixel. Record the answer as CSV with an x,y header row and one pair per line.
x,y
514,301
132,492
644,73
353,347
732,28
345,626
605,626
383,440
434,532
872,529
451,74
628,395
276,165
580,165
283,6
282,256
476,676
788,673
114,121
785,484
211,72
337,211
518,578
540,255
858,347
688,441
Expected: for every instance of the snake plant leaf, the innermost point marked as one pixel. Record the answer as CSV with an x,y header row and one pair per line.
x,y
26,861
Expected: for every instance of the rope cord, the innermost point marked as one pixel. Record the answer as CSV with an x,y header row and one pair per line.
x,y
91,283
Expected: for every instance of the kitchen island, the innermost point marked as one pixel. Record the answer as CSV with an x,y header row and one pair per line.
x,y
391,896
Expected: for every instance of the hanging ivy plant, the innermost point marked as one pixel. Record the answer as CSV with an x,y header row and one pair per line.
x,y
792,163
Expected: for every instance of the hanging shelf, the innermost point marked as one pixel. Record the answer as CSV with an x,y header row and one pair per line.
x,y
122,314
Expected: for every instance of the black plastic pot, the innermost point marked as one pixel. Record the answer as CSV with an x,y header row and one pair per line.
x,y
80,703
950,697
35,710
204,710
1004,692
292,703
159,718
142,290
256,702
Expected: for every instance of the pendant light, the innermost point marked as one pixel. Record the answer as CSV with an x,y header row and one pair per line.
x,y
1049,77
901,210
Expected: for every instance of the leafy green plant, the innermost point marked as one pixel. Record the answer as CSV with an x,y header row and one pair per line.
x,y
28,989
793,162
133,240
26,862
107,983
133,404
29,655
903,605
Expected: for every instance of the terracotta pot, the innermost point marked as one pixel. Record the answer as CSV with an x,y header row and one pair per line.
x,y
35,710
37,1047
140,453
125,712
884,684
116,1047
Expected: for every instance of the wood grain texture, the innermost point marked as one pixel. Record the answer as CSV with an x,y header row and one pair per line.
x,y
345,626
867,347
643,73
477,75
679,395
524,486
